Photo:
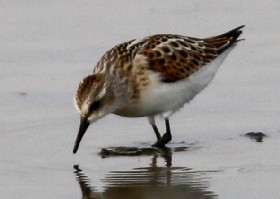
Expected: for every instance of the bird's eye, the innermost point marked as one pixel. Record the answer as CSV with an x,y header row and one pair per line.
x,y
94,106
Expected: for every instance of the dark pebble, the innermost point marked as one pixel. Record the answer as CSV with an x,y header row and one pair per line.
x,y
257,136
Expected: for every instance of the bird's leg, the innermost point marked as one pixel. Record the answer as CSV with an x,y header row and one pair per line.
x,y
156,132
166,137
153,123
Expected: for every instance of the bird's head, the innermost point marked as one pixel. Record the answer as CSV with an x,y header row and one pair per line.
x,y
93,101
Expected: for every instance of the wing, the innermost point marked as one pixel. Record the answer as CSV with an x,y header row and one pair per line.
x,y
176,57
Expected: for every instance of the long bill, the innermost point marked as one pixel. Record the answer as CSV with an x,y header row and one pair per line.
x,y
84,123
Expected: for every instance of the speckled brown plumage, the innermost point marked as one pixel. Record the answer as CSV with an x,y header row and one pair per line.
x,y
152,76
89,83
173,56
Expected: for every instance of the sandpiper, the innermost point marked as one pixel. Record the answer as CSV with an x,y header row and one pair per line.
x,y
149,77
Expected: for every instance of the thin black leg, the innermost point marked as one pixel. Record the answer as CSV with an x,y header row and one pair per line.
x,y
156,132
153,123
167,125
167,137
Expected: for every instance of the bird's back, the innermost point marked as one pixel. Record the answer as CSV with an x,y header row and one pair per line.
x,y
174,57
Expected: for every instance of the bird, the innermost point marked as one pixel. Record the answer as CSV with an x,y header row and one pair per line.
x,y
151,77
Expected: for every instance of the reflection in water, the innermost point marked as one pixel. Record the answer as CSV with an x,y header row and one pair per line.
x,y
135,151
148,182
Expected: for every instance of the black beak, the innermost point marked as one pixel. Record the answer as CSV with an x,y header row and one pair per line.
x,y
83,127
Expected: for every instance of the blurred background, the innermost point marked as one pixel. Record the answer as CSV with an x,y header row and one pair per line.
x,y
47,47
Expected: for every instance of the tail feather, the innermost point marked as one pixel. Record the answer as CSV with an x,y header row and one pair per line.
x,y
224,41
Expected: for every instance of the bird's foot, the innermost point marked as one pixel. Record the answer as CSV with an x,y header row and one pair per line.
x,y
167,137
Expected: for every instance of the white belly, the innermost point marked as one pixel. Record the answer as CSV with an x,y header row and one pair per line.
x,y
165,98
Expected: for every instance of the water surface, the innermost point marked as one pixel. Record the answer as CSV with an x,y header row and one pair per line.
x,y
154,181
47,47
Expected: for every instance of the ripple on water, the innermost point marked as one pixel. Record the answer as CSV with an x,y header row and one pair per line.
x,y
137,151
147,183
153,181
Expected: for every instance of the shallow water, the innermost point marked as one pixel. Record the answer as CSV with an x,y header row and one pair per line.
x,y
48,47
153,181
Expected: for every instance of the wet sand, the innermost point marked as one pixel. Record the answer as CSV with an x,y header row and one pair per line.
x,y
48,47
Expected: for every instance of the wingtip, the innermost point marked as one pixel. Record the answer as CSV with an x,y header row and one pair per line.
x,y
235,30
242,26
238,28
239,31
235,33
232,36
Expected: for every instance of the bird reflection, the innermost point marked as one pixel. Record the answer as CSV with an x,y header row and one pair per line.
x,y
149,182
